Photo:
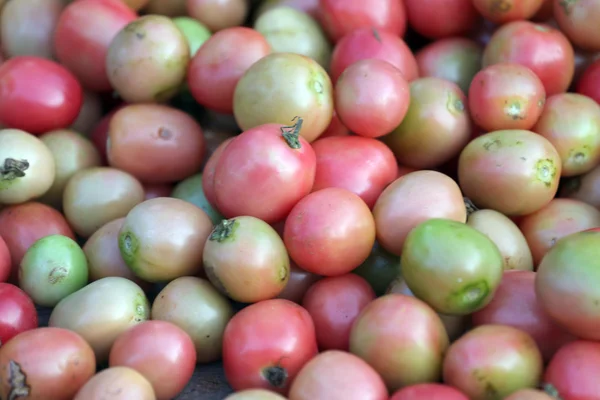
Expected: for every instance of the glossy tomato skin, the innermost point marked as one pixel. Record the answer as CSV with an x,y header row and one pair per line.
x,y
38,95
17,312
573,371
340,17
458,17
364,166
83,33
429,391
334,303
21,225
261,175
515,304
543,49
365,43
589,82
5,261
501,12
259,351
579,20
56,363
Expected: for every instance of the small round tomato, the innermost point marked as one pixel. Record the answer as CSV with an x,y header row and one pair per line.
x,y
5,261
459,17
17,312
359,85
361,165
429,391
543,49
579,20
38,95
589,82
334,303
329,232
220,63
573,371
218,14
503,11
506,96
259,351
365,43
168,366
264,172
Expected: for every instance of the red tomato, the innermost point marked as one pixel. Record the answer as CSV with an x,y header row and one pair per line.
x,y
266,344
501,12
17,312
429,391
208,173
340,17
337,375
579,20
264,172
358,87
5,261
21,225
458,17
515,304
99,135
363,166
506,96
38,95
545,50
220,63
589,82
329,232
573,371
83,33
45,363
334,303
159,350
366,43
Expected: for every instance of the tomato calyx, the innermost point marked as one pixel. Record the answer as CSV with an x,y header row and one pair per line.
x,y
13,169
551,391
276,375
291,133
470,206
223,230
17,381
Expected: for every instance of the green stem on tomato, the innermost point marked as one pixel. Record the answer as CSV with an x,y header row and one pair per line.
x,y
291,134
13,169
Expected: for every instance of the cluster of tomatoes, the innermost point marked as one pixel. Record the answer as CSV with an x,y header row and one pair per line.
x,y
339,199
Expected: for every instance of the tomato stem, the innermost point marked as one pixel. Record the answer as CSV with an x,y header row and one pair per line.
x,y
471,208
551,391
276,376
13,169
222,231
291,133
17,381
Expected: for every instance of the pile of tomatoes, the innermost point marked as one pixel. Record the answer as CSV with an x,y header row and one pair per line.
x,y
338,199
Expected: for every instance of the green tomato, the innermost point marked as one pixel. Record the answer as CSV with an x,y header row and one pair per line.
x,y
194,31
190,190
379,269
53,268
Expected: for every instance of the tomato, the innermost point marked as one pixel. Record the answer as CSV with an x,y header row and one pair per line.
x,y
335,128
124,382
264,172
5,261
543,49
340,17
338,375
412,199
208,174
310,7
503,11
436,127
167,367
298,283
220,63
23,224
459,17
515,304
567,282
261,352
530,394
589,82
493,360
45,363
99,134
583,187
453,59
402,338
379,269
329,232
17,312
365,43
38,95
506,96
572,371
429,391
334,303
218,14
577,20
363,166
83,33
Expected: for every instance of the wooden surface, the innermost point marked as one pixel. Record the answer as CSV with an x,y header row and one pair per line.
x,y
208,382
